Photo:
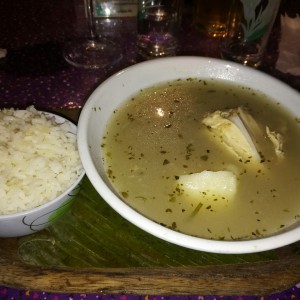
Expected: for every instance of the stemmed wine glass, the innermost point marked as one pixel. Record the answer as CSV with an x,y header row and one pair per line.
x,y
92,52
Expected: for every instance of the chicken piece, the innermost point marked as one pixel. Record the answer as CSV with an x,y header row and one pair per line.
x,y
230,130
277,140
239,132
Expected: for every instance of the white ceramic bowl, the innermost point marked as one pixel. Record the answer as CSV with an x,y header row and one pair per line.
x,y
108,96
36,219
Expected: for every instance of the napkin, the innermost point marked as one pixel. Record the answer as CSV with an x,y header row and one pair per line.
x,y
289,45
3,53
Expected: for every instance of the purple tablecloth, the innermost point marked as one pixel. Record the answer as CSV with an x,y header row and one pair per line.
x,y
15,294
34,71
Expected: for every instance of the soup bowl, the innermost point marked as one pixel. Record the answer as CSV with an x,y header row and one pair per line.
x,y
117,89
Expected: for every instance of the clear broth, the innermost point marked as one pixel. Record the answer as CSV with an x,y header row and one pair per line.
x,y
157,135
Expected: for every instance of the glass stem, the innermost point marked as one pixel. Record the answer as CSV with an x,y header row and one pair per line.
x,y
90,16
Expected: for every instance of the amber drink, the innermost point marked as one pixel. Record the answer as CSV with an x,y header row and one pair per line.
x,y
210,16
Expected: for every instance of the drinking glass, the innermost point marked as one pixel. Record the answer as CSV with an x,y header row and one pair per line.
x,y
210,16
248,29
92,52
158,25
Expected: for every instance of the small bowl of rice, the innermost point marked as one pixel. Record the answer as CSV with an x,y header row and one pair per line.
x,y
40,169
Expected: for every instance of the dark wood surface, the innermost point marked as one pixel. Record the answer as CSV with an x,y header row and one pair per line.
x,y
243,279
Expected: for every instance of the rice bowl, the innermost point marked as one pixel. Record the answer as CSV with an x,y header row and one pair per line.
x,y
40,169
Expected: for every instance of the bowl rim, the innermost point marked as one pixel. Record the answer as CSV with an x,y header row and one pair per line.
x,y
60,120
279,239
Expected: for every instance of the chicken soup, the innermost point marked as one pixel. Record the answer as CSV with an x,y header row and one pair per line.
x,y
206,158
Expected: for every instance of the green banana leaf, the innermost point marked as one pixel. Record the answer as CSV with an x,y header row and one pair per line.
x,y
91,234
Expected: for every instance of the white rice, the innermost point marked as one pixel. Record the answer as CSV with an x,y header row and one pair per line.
x,y
38,159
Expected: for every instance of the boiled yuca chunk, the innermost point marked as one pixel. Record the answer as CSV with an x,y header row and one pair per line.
x,y
209,184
